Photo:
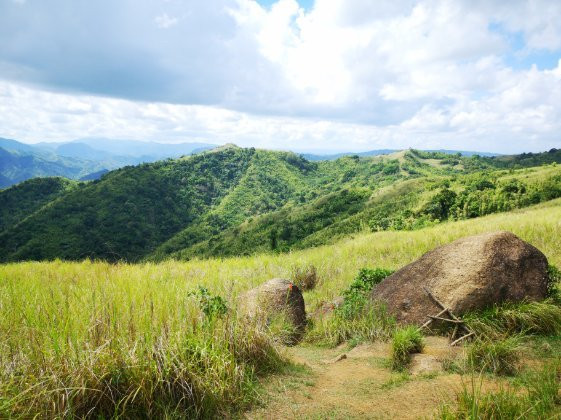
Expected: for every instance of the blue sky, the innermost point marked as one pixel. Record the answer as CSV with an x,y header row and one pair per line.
x,y
309,75
306,4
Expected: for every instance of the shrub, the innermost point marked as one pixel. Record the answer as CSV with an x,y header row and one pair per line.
x,y
211,306
405,341
305,277
358,318
554,284
356,296
367,278
499,356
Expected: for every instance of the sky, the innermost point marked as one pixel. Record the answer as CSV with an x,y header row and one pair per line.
x,y
329,75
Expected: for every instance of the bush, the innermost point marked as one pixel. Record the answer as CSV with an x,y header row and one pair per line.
x,y
356,296
305,277
554,284
405,341
211,306
499,356
358,318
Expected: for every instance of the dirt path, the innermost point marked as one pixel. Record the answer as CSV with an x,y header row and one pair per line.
x,y
360,386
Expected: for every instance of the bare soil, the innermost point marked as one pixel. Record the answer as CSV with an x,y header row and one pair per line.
x,y
361,385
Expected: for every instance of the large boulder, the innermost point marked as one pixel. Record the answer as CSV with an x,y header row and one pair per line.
x,y
275,299
471,273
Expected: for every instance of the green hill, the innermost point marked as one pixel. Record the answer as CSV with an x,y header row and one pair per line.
x,y
24,199
232,201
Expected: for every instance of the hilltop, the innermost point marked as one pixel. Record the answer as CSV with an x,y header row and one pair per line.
x,y
232,201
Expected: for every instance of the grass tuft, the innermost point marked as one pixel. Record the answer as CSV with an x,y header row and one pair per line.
x,y
405,341
535,396
497,355
528,318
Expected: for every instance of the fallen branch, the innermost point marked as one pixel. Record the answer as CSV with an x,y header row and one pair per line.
x,y
453,343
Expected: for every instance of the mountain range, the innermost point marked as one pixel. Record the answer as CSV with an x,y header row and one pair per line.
x,y
236,201
85,159
88,158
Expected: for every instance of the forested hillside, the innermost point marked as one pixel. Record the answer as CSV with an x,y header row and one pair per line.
x,y
24,199
233,201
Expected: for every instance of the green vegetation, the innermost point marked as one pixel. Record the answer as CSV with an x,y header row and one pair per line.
x,y
22,200
367,322
123,339
535,397
233,201
497,355
357,318
405,341
531,318
356,297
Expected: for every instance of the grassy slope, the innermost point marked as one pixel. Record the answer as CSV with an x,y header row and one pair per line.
x,y
72,324
337,264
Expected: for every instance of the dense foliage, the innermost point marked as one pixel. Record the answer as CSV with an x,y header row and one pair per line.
x,y
22,200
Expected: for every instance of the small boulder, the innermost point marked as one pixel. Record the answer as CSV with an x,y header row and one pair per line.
x,y
277,297
424,364
471,273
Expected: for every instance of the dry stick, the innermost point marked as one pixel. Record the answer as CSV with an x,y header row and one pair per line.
x,y
426,324
439,303
461,338
453,321
454,332
463,325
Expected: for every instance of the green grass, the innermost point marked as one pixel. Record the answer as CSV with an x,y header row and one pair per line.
x,y
496,355
125,338
405,341
371,322
535,396
528,318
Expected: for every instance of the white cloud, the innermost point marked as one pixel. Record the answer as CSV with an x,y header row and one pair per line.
x,y
344,74
164,21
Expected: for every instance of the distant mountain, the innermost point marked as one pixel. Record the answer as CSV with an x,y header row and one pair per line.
x,y
317,157
20,165
136,151
12,145
84,159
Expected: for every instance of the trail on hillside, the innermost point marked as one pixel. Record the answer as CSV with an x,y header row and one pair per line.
x,y
359,386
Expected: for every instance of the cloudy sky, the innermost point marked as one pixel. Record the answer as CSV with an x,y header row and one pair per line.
x,y
310,75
